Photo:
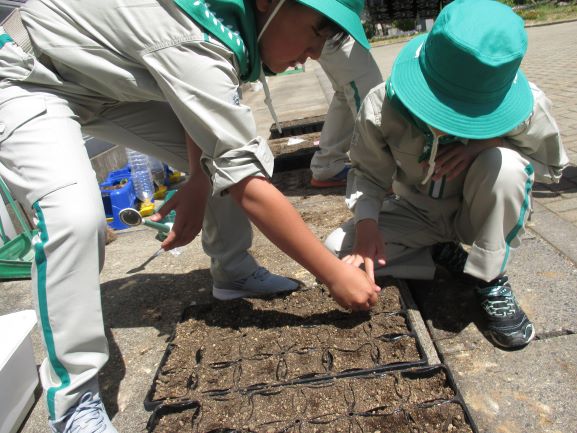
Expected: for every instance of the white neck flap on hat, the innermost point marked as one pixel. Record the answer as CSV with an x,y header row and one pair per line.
x,y
262,77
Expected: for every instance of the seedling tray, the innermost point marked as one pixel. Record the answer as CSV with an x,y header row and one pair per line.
x,y
412,400
251,344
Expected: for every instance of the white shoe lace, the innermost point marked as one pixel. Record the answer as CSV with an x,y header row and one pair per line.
x,y
500,302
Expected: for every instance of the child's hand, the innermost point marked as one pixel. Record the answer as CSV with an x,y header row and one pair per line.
x,y
453,159
189,203
369,247
352,289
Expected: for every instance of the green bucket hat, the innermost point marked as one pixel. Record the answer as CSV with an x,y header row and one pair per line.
x,y
345,13
463,78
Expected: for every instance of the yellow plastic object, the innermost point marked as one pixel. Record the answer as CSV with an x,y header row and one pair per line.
x,y
146,208
175,177
160,192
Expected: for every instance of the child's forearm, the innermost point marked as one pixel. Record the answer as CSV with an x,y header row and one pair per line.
x,y
281,223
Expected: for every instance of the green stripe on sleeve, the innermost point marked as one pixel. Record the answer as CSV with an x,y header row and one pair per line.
x,y
356,95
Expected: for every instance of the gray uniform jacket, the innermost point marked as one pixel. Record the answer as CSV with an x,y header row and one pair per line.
x,y
101,53
387,149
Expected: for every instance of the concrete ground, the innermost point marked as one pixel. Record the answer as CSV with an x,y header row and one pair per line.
x,y
527,391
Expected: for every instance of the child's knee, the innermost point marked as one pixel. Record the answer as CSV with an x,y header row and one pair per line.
x,y
334,241
340,241
499,169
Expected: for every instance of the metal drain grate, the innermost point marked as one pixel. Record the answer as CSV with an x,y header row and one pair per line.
x,y
292,128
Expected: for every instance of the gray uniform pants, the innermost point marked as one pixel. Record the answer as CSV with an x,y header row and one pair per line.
x,y
44,162
490,217
352,71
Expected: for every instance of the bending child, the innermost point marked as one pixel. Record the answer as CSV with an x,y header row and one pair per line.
x,y
460,135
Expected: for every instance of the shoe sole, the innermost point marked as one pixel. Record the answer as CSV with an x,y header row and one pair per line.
x,y
502,346
229,295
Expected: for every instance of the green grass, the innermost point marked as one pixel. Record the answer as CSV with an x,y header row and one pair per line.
x,y
378,41
536,13
549,13
545,11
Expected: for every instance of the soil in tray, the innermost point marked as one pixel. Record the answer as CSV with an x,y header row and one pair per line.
x,y
422,401
248,343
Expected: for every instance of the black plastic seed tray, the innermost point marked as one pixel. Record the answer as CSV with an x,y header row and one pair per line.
x,y
421,399
301,338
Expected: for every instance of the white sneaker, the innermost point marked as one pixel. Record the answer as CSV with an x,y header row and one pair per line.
x,y
260,283
88,416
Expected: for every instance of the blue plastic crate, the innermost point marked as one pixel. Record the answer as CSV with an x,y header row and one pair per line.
x,y
117,175
115,200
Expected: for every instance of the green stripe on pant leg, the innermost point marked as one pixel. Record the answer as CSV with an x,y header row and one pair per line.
x,y
41,264
528,185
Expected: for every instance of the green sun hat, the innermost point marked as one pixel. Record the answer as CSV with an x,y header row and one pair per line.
x,y
345,13
463,78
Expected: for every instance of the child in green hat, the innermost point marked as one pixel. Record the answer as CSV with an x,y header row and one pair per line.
x,y
460,135
162,77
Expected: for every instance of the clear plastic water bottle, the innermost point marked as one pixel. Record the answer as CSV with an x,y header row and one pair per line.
x,y
141,175
157,170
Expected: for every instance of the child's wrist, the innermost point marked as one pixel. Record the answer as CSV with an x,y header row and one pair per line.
x,y
331,270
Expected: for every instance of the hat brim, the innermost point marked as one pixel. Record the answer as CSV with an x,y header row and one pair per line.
x,y
454,116
346,18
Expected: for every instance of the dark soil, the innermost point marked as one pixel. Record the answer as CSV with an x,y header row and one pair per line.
x,y
322,209
249,343
410,401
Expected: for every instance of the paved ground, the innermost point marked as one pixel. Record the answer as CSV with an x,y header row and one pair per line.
x,y
528,391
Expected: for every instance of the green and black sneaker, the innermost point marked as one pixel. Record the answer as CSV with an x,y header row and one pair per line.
x,y
507,325
451,256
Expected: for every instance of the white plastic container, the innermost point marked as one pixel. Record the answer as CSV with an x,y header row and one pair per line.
x,y
157,171
18,375
141,175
